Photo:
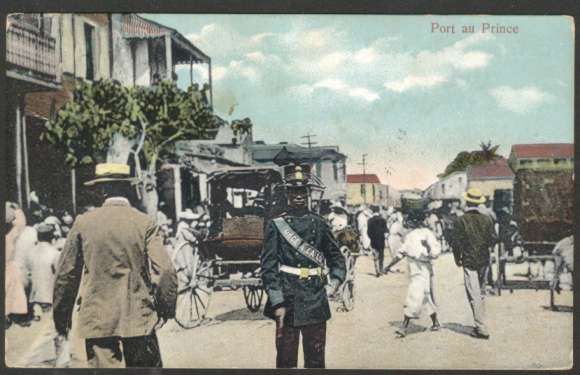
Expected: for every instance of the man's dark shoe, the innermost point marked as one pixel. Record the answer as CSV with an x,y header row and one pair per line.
x,y
478,334
401,332
435,327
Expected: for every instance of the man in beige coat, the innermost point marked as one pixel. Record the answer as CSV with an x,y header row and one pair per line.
x,y
114,272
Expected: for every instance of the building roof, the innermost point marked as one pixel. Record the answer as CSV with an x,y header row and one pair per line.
x,y
497,169
543,150
138,27
362,179
267,152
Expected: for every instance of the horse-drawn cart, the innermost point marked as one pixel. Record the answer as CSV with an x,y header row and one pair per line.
x,y
242,201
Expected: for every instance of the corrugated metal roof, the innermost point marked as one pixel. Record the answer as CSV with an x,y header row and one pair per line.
x,y
362,178
138,27
543,150
268,152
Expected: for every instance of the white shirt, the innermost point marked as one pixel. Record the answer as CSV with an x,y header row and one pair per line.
x,y
337,221
414,249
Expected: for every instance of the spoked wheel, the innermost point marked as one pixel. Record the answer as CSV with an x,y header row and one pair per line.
x,y
253,296
195,286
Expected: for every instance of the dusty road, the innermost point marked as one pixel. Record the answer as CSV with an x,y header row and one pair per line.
x,y
524,333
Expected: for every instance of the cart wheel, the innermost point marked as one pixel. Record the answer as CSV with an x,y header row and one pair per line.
x,y
253,296
348,296
195,287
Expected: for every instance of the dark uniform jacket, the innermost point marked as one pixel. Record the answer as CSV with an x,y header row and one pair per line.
x,y
376,229
474,235
305,299
113,258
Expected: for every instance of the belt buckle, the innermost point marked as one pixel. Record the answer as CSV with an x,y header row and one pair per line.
x,y
304,273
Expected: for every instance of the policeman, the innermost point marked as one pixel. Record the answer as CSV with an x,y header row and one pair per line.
x,y
298,245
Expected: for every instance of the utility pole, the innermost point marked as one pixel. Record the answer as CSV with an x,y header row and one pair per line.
x,y
309,140
364,165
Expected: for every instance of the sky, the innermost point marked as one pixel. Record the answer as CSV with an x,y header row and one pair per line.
x,y
406,92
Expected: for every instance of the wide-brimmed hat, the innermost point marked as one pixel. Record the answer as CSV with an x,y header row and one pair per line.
x,y
111,172
44,228
474,195
52,220
338,207
188,214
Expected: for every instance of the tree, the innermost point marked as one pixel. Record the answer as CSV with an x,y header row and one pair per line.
x,y
107,121
465,159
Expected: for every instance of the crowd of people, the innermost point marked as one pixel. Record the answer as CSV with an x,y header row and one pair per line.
x,y
35,239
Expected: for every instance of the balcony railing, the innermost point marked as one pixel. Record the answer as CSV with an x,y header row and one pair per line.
x,y
32,52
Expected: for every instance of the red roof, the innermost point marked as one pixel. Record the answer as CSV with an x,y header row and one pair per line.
x,y
362,178
497,169
544,150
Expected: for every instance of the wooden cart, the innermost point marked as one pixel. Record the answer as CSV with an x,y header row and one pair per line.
x,y
229,258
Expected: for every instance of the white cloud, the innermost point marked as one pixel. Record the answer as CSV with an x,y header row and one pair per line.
x,y
331,84
257,56
429,69
522,100
366,55
412,81
363,93
311,39
336,85
218,73
258,38
219,40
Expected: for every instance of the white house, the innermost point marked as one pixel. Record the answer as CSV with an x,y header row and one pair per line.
x,y
449,187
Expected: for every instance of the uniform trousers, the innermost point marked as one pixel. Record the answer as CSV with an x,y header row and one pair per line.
x,y
140,351
313,344
379,255
475,289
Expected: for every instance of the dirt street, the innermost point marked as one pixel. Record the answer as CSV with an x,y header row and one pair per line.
x,y
524,332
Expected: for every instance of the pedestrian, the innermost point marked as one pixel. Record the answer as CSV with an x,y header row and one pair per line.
x,y
338,217
128,286
15,303
395,236
474,235
564,261
420,248
377,230
43,262
297,246
362,219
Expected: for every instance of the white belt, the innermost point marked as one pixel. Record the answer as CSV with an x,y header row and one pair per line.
x,y
304,273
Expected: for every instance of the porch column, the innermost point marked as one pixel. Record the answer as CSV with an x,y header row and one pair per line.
x,y
18,143
168,56
26,169
191,71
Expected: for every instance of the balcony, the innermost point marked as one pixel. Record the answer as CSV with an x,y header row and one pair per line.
x,y
32,62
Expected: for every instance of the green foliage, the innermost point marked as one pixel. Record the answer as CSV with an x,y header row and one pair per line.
x,y
85,126
465,159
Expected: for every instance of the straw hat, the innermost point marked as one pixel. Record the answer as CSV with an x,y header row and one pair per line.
x,y
110,172
188,214
474,195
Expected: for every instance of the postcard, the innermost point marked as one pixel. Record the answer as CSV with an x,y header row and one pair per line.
x,y
289,190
